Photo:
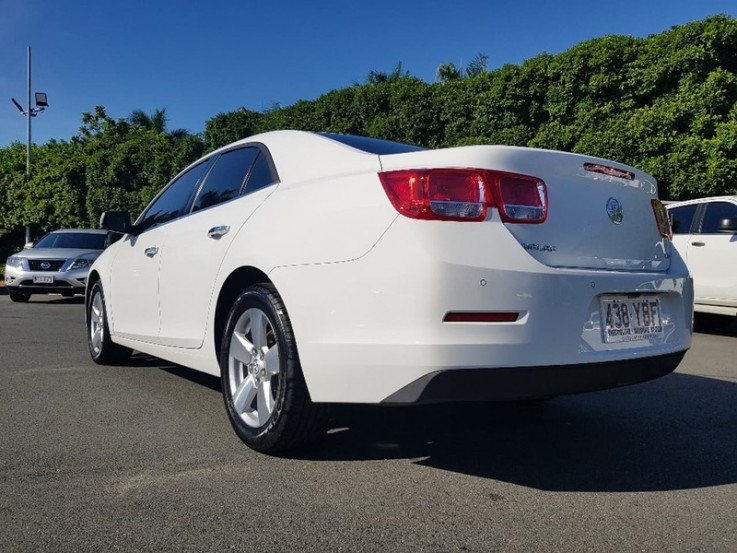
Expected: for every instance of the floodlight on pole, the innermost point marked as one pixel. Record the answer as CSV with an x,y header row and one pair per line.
x,y
42,102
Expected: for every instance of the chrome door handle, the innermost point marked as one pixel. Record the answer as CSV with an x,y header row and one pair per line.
x,y
698,244
152,251
216,233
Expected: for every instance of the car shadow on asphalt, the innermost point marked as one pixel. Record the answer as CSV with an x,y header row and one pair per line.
x,y
678,432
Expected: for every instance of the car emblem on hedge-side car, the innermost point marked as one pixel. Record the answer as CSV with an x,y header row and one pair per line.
x,y
46,265
614,210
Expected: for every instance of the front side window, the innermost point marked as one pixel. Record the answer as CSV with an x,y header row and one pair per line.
x,y
174,200
681,218
226,178
715,212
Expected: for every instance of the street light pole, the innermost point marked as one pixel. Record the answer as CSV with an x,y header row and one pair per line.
x,y
29,115
41,104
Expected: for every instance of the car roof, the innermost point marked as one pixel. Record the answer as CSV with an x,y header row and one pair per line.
x,y
732,198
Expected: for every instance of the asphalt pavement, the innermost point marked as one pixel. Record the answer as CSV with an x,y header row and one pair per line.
x,y
142,458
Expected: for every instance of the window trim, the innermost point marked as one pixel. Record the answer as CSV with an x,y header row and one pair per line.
x,y
210,160
702,214
263,150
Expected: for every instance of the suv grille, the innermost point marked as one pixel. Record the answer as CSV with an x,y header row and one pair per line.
x,y
45,264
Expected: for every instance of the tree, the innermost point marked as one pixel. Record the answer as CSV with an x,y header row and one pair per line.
x,y
377,77
448,72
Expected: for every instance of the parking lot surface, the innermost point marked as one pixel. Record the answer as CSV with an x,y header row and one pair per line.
x,y
142,458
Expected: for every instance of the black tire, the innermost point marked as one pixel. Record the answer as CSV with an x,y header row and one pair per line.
x,y
274,412
19,297
102,349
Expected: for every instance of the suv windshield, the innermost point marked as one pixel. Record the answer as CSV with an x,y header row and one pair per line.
x,y
76,240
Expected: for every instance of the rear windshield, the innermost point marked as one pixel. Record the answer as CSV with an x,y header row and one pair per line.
x,y
76,240
371,145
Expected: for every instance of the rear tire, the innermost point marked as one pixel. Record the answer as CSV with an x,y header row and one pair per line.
x,y
102,349
265,393
19,297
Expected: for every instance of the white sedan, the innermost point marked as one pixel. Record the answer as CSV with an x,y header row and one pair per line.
x,y
309,268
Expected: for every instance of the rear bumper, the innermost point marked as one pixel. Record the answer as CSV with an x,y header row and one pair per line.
x,y
500,384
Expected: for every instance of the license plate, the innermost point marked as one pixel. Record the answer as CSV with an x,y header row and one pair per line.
x,y
43,279
626,319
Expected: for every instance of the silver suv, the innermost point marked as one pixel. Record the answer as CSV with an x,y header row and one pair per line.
x,y
57,264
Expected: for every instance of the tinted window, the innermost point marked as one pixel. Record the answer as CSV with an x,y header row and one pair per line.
x,y
715,212
226,178
261,175
77,240
174,201
371,145
681,218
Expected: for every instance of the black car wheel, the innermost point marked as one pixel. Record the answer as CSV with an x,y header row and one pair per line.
x,y
102,348
265,393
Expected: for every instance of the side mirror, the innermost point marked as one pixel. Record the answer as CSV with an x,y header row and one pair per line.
x,y
118,221
27,245
728,225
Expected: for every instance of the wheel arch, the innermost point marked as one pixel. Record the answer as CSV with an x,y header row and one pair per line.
x,y
92,278
240,279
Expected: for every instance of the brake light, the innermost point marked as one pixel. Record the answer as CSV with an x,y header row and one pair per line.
x,y
661,219
522,199
466,195
442,194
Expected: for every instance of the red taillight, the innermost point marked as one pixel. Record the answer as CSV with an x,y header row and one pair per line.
x,y
466,195
662,219
522,199
475,317
442,194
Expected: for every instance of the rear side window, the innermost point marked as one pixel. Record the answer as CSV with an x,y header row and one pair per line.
x,y
226,178
682,217
715,212
174,201
261,175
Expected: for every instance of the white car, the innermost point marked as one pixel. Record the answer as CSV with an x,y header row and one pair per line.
x,y
705,235
307,269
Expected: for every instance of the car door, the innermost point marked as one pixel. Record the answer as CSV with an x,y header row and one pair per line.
x,y
133,298
712,257
681,221
195,247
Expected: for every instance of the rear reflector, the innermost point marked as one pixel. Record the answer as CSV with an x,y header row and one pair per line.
x,y
466,194
461,317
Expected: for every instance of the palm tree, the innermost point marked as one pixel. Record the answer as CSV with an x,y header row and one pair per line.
x,y
478,66
375,77
155,122
448,72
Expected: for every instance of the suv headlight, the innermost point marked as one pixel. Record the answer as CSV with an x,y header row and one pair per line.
x,y
81,263
16,262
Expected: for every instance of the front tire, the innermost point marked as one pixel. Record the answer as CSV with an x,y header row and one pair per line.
x,y
265,393
102,349
19,297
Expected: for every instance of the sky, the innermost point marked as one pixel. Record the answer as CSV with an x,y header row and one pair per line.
x,y
200,58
